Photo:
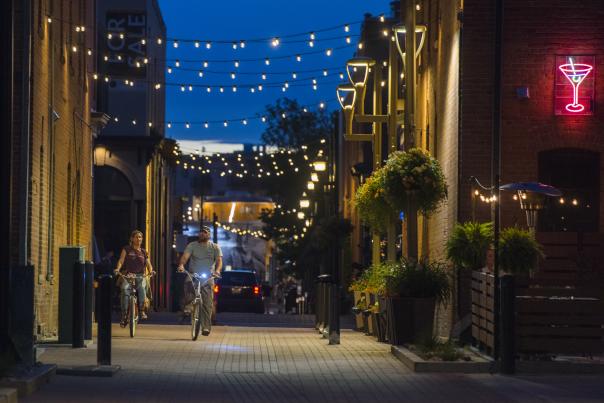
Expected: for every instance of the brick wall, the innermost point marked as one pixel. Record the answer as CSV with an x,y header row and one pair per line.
x,y
437,123
60,196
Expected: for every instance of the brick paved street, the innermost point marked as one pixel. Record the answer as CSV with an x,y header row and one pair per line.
x,y
242,363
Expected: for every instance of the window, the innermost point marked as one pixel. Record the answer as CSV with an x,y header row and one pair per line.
x,y
577,174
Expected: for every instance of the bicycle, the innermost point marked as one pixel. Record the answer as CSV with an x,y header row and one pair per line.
x,y
197,282
132,314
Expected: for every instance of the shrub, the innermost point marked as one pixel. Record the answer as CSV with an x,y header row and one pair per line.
x,y
420,280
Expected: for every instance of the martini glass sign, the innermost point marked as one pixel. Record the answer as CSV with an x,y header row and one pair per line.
x,y
575,73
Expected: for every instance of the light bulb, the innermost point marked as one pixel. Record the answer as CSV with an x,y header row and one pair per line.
x,y
121,36
177,63
328,52
175,44
233,76
348,40
263,118
325,73
187,125
190,88
143,41
242,44
267,61
294,75
275,42
169,125
200,73
360,45
234,88
346,28
209,89
236,63
312,36
322,105
311,44
208,45
244,121
196,44
221,89
225,123
263,76
234,45
260,87
382,19
298,58
206,64
169,70
206,125
159,41
182,88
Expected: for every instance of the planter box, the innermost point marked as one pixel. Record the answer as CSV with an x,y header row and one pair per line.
x,y
417,364
369,330
410,319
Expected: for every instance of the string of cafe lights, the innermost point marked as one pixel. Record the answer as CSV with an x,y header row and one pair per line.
x,y
235,44
207,124
258,165
488,199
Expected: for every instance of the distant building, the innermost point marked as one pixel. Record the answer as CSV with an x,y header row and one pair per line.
x,y
133,174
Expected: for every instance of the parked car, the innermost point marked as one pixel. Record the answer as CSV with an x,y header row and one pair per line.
x,y
238,291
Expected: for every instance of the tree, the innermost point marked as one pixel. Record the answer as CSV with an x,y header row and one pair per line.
x,y
298,128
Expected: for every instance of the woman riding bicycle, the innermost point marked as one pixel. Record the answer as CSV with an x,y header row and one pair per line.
x,y
134,261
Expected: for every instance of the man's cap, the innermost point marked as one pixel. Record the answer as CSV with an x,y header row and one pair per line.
x,y
205,228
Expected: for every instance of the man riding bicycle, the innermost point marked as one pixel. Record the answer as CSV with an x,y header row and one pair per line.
x,y
206,261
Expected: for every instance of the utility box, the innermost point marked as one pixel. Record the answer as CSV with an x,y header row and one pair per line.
x,y
68,257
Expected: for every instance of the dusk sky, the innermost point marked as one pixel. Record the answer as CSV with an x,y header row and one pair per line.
x,y
242,20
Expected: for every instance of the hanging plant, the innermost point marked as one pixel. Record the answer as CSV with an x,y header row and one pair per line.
x,y
370,202
414,177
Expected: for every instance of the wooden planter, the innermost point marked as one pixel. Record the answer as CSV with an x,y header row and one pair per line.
x,y
410,319
358,319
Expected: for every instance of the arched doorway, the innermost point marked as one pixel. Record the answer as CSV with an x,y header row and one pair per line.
x,y
114,209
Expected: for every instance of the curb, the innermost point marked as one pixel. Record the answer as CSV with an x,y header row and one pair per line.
x,y
418,365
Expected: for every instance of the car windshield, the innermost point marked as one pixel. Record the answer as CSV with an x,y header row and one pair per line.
x,y
231,278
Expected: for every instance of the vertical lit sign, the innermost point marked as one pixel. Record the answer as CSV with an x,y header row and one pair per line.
x,y
124,44
574,89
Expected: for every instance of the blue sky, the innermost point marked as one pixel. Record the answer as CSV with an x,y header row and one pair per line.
x,y
216,20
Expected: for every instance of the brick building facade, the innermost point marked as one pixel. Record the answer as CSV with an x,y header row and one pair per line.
x,y
49,143
540,141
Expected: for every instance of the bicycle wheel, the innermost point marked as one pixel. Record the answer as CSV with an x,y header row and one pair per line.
x,y
196,320
133,316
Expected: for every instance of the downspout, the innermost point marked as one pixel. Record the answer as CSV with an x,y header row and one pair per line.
x,y
25,143
52,116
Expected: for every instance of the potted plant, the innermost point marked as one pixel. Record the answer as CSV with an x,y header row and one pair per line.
x,y
467,249
412,293
519,252
359,287
378,277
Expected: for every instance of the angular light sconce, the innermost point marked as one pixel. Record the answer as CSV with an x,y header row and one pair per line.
x,y
358,72
399,35
347,97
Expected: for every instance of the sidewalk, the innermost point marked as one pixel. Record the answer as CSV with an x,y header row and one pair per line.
x,y
280,364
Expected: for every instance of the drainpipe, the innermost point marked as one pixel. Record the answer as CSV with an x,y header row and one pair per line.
x,y
25,141
409,115
52,117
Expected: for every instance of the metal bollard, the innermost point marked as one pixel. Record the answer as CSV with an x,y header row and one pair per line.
x,y
88,299
103,356
334,314
507,317
78,305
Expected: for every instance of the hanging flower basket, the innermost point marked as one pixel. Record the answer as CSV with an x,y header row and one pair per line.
x,y
414,179
370,202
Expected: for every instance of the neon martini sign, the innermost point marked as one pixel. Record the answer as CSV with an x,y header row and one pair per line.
x,y
575,71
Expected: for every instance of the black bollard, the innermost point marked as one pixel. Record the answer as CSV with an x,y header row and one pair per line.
x,y
508,334
334,314
103,356
88,299
78,306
